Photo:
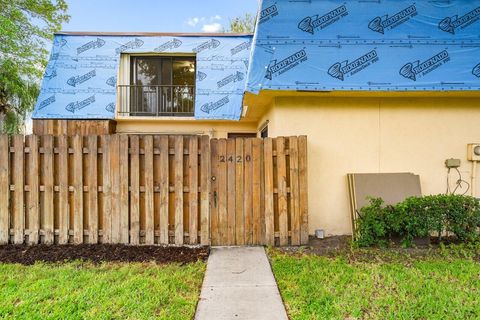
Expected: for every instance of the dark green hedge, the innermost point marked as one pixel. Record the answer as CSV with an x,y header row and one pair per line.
x,y
418,217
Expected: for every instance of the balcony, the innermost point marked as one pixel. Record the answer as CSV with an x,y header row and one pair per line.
x,y
156,100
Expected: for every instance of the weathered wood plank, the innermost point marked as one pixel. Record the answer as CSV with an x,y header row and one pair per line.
x,y
18,181
205,190
294,192
178,146
148,174
164,189
115,181
193,189
257,191
106,190
4,189
239,192
123,225
63,207
248,187
48,183
269,207
78,185
92,189
231,194
214,231
303,188
222,191
134,191
282,191
33,193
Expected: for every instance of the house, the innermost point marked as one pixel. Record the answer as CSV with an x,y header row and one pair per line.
x,y
377,86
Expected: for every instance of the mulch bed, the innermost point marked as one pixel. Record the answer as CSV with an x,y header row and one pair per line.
x,y
97,253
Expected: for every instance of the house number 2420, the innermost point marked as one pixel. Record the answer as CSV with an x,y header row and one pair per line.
x,y
238,159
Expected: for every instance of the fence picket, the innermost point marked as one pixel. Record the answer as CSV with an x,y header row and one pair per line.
x,y
149,205
48,208
231,194
282,191
33,197
294,190
63,207
193,189
164,190
239,192
122,178
303,188
4,189
18,199
205,190
116,180
92,189
269,207
106,190
134,191
248,187
78,189
222,191
178,147
214,232
257,156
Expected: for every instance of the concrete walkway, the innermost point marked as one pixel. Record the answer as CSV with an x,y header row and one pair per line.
x,y
239,284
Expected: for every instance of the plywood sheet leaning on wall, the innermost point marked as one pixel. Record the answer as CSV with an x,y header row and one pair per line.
x,y
391,187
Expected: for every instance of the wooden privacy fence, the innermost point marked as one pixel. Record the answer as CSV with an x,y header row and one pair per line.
x,y
144,189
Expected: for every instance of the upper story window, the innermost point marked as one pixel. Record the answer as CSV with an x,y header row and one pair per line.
x,y
159,86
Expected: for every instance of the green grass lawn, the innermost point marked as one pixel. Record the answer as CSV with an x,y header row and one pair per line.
x,y
382,285
79,290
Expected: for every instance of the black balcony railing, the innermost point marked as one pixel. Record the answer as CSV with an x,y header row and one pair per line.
x,y
156,101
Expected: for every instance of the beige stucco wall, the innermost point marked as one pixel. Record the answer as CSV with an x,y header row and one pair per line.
x,y
215,129
374,134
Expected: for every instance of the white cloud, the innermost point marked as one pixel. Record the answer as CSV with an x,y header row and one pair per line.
x,y
212,27
194,21
213,22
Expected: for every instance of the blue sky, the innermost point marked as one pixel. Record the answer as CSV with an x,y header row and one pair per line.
x,y
155,15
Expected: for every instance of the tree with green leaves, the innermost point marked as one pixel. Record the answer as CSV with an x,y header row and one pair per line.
x,y
26,29
245,24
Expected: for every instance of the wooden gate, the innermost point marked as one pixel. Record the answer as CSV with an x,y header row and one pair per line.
x,y
144,189
259,191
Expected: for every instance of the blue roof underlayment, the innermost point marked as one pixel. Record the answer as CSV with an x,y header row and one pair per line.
x,y
80,79
370,45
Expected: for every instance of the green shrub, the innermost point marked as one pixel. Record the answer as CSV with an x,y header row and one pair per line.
x,y
419,217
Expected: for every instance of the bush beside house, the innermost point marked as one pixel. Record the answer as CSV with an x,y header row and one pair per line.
x,y
419,217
